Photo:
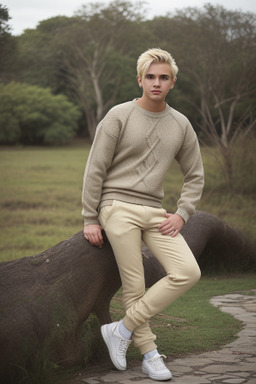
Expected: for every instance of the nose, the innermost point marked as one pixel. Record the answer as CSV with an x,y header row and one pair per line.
x,y
156,82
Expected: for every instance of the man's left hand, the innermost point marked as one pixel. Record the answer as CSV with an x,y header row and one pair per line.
x,y
172,225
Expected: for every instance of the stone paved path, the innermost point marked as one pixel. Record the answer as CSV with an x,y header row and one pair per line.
x,y
235,363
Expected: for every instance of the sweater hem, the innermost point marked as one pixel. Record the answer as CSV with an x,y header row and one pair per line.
x,y
108,199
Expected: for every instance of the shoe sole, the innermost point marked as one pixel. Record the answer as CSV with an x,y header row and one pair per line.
x,y
157,377
104,334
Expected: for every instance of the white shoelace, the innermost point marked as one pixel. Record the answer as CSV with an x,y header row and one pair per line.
x,y
157,363
122,348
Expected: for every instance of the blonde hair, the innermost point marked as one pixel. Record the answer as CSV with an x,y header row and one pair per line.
x,y
155,55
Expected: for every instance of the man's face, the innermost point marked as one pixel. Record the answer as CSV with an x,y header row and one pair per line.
x,y
157,82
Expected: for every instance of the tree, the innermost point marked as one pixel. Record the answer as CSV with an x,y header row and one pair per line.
x,y
45,299
4,18
219,58
36,60
7,45
91,57
95,55
169,34
33,115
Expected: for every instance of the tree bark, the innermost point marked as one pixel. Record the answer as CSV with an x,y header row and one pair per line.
x,y
46,298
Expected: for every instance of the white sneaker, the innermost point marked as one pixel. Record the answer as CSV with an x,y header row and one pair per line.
x,y
156,369
117,345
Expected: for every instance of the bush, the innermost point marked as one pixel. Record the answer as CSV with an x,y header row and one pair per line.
x,y
33,115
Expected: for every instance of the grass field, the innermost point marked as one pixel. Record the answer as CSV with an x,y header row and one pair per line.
x,y
40,200
40,197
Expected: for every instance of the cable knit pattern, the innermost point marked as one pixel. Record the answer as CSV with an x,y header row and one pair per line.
x,y
151,157
131,153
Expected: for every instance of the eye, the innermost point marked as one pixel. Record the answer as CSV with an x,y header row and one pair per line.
x,y
165,77
149,76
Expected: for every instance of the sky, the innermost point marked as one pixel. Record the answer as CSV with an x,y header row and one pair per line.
x,y
28,13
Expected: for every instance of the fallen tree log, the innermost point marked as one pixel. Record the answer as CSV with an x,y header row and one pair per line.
x,y
46,298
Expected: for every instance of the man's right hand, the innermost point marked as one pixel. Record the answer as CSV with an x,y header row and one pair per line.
x,y
93,233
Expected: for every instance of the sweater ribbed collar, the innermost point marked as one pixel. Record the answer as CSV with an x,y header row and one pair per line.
x,y
157,115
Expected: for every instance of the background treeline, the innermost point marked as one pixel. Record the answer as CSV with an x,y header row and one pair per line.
x,y
60,79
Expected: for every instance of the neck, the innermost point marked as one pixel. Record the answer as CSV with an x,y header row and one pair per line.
x,y
151,106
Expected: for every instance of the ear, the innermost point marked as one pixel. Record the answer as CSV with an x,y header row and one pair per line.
x,y
173,82
139,81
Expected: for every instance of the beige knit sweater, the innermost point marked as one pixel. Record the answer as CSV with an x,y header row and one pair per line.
x,y
130,155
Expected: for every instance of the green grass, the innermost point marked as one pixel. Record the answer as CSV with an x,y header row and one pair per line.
x,y
194,325
40,197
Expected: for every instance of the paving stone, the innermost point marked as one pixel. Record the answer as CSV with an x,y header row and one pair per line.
x,y
252,324
243,374
219,378
248,367
216,368
226,357
234,311
251,359
247,332
179,368
189,380
196,361
250,307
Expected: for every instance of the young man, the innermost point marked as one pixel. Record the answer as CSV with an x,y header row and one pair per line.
x,y
133,148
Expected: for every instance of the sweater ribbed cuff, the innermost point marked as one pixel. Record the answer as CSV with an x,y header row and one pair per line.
x,y
91,221
182,213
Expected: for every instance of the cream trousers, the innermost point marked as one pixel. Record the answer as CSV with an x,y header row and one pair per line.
x,y
126,226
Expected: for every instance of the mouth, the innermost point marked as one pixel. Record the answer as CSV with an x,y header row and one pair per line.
x,y
156,92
